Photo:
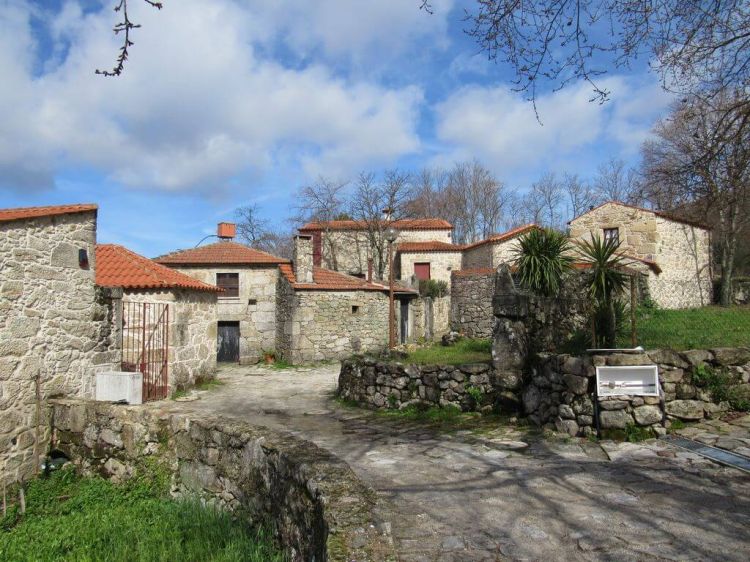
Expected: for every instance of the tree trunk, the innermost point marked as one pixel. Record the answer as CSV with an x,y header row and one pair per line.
x,y
728,251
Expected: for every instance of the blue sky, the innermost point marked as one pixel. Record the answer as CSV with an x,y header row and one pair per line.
x,y
231,102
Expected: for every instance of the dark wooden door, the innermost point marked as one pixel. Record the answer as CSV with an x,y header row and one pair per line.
x,y
228,349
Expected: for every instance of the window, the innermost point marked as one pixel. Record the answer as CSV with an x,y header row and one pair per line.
x,y
230,282
611,235
422,271
355,309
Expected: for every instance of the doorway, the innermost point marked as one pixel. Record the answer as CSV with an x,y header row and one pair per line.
x,y
228,342
404,320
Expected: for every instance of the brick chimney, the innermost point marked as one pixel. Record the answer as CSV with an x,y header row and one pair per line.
x,y
303,258
226,230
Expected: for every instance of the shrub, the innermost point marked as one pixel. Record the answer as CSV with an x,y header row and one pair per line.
x,y
433,288
543,257
723,387
476,394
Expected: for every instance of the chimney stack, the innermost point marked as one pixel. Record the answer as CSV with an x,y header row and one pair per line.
x,y
303,258
226,230
369,269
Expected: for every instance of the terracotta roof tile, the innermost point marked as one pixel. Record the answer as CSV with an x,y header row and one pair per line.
x,y
403,224
502,237
117,266
664,214
329,280
21,213
220,253
430,246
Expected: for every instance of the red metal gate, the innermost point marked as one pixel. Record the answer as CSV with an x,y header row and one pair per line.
x,y
145,345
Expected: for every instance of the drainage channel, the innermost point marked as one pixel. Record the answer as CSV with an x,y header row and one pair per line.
x,y
715,454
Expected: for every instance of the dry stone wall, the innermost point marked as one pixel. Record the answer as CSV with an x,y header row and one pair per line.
x,y
316,505
254,309
471,304
56,329
560,389
394,385
192,333
441,264
325,325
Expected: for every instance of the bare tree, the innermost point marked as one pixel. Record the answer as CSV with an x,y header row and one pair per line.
x,y
545,199
697,46
322,201
615,182
125,26
256,232
581,196
369,201
700,159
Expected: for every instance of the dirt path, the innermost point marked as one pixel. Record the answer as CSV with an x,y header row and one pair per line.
x,y
470,497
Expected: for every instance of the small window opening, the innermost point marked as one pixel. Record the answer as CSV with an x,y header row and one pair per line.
x,y
355,309
611,235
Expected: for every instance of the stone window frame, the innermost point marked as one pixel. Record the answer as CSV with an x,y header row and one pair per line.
x,y
608,234
231,290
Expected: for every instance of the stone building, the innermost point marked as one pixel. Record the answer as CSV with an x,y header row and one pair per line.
x,y
495,250
346,245
188,314
677,251
246,309
427,260
324,314
55,324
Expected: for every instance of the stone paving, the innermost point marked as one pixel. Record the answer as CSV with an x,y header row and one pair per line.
x,y
732,434
509,494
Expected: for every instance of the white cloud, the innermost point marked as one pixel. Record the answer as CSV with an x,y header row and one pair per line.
x,y
500,127
197,106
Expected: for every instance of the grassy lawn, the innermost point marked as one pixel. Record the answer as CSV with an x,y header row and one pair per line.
x,y
699,328
90,519
464,351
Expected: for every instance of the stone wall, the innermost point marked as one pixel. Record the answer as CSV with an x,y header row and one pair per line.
x,y
441,264
741,290
430,318
254,309
192,333
391,385
325,325
314,502
471,302
490,255
560,389
681,251
56,329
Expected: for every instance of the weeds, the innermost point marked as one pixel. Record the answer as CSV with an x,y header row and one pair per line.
x,y
723,387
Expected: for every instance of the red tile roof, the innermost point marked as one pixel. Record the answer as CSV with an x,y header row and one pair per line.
x,y
403,224
430,246
502,237
662,214
220,253
329,280
117,266
7,215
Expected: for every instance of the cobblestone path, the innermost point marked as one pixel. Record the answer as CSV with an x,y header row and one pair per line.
x,y
475,497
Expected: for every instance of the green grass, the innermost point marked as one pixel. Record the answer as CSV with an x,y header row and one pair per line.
x,y
90,519
280,364
696,328
208,384
464,351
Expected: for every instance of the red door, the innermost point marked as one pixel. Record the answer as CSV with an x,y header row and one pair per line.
x,y
422,271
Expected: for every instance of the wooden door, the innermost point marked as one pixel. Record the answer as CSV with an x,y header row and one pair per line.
x,y
228,342
404,320
422,271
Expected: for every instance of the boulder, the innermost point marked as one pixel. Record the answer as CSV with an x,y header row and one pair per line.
x,y
726,356
628,359
507,380
671,375
615,419
696,357
566,412
685,409
613,404
577,385
667,357
450,338
566,426
573,366
647,415
532,399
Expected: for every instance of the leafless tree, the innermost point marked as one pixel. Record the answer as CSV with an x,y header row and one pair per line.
x,y
468,195
615,182
700,159
322,201
370,198
545,200
697,46
256,232
581,196
125,26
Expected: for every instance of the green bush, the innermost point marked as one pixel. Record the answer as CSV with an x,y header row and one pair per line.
x,y
476,394
433,288
543,257
723,387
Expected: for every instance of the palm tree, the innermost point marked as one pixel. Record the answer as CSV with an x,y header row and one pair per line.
x,y
606,281
543,257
